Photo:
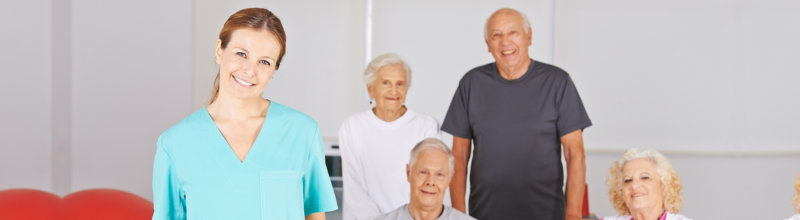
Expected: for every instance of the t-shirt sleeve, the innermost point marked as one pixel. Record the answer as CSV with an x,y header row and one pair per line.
x,y
571,113
168,202
456,122
317,189
431,128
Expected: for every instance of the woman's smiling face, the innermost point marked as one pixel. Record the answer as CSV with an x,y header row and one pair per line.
x,y
247,63
641,185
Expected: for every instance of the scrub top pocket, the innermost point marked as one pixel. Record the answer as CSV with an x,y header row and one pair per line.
x,y
282,195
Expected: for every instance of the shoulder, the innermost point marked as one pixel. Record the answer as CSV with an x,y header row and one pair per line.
x,y
457,215
617,217
188,123
357,118
417,117
794,217
187,128
355,121
549,70
290,123
394,214
481,72
672,216
288,114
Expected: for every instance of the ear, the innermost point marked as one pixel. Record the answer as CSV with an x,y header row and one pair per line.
x,y
408,173
218,52
530,35
488,48
370,90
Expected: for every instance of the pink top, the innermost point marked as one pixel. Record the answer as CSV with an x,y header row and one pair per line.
x,y
663,216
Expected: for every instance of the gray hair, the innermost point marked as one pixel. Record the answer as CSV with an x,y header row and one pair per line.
x,y
524,17
385,60
431,143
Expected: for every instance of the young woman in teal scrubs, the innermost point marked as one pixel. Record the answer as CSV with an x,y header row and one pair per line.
x,y
243,156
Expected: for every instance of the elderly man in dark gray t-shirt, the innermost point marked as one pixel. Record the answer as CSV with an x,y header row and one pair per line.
x,y
519,113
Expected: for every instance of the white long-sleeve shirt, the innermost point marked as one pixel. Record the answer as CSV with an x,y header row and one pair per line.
x,y
374,158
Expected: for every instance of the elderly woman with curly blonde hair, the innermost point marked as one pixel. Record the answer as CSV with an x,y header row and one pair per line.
x,y
643,185
796,200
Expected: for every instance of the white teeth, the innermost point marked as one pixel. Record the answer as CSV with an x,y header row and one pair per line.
x,y
242,82
507,52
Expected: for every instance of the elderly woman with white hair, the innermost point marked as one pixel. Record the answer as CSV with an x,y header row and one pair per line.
x,y
643,185
375,143
796,200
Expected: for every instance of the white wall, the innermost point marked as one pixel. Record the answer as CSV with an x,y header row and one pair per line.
x,y
25,128
136,68
124,73
132,79
685,75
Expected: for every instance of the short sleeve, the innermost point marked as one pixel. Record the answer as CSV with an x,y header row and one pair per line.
x,y
456,122
571,113
168,199
317,189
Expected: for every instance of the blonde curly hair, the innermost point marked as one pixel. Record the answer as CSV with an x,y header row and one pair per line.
x,y
797,194
670,182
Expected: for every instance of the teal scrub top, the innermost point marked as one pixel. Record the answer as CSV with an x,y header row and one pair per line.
x,y
196,174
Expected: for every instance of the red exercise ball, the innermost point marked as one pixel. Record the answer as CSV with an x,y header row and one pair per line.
x,y
105,204
28,204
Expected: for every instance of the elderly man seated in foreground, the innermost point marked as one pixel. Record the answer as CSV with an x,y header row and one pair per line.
x,y
428,172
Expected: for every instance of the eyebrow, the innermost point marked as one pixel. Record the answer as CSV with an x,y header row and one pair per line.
x,y
246,51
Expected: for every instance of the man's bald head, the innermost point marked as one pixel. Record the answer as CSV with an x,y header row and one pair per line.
x,y
506,12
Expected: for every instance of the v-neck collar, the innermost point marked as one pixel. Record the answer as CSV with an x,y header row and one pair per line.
x,y
223,142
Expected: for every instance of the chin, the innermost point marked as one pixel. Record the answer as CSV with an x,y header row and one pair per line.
x,y
638,206
430,203
246,96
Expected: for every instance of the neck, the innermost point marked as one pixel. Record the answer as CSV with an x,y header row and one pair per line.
x,y
515,71
419,212
237,109
649,214
389,115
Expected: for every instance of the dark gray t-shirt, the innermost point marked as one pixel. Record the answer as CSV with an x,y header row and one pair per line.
x,y
515,125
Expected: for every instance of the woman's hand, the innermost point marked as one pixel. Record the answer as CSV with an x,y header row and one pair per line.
x,y
316,216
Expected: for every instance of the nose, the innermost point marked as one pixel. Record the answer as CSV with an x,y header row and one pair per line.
x,y
635,183
429,181
248,68
504,39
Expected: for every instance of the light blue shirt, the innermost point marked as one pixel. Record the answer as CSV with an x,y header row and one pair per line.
x,y
196,175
